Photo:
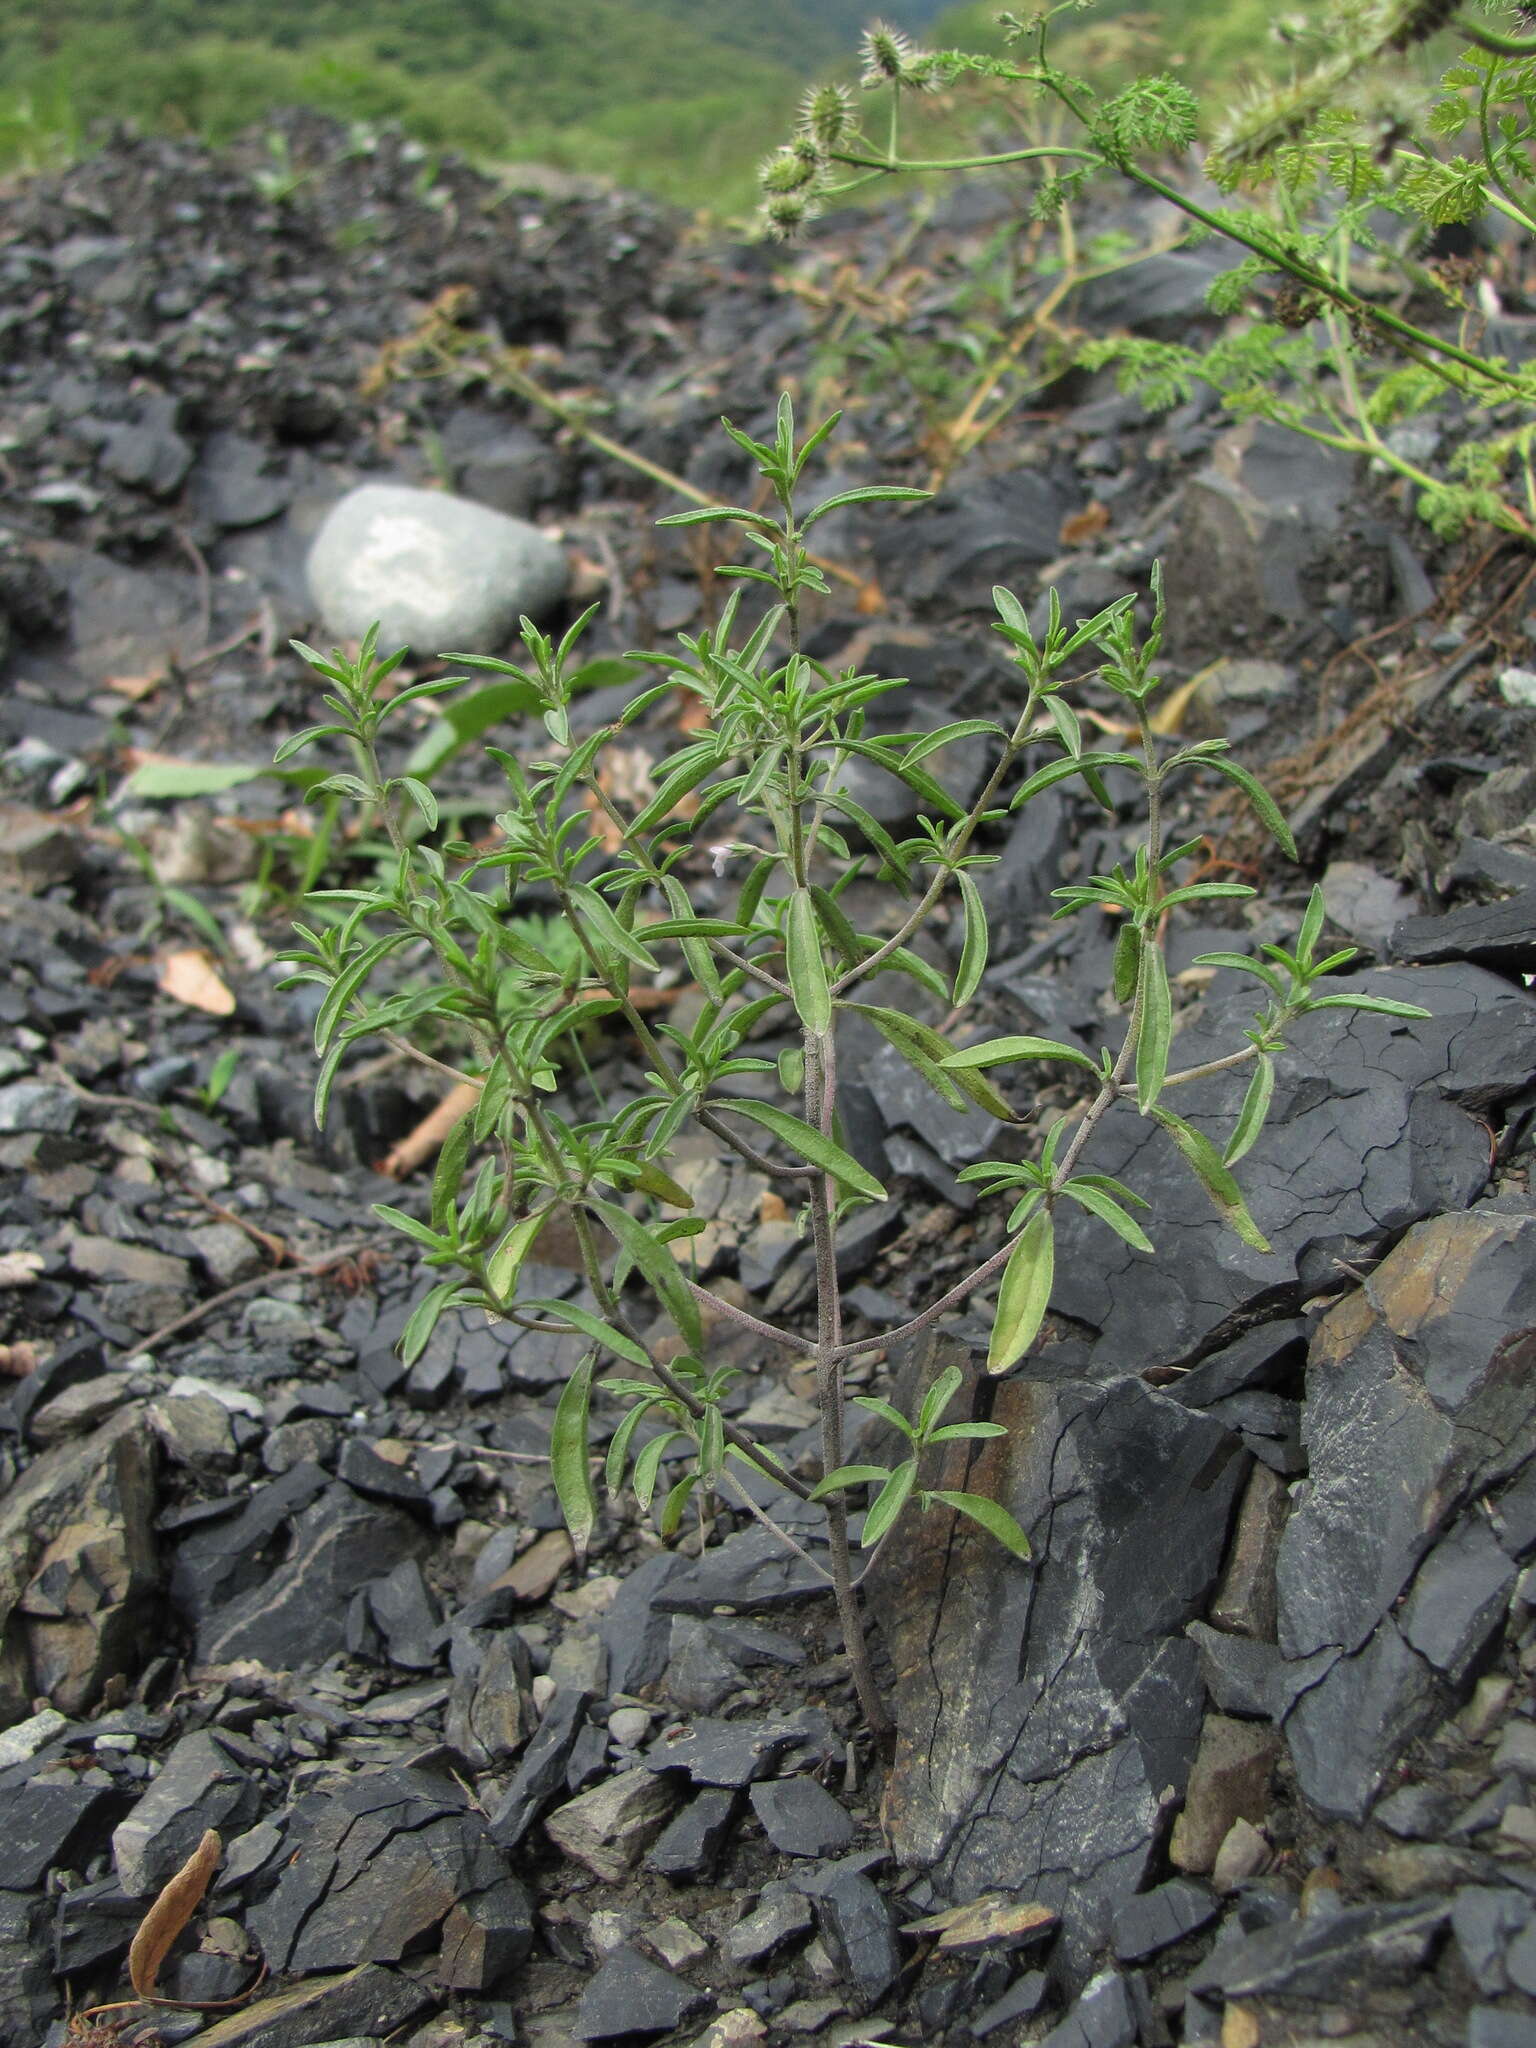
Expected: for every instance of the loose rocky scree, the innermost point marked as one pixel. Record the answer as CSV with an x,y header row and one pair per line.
x,y
1246,1753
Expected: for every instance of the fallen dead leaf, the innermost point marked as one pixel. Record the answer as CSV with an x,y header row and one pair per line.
x,y
772,1208
170,1913
134,687
1239,2028
992,1917
189,976
17,1360
1084,526
870,600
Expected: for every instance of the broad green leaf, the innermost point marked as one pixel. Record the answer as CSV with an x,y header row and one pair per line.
x,y
1154,1024
998,1052
1109,1211
570,1464
987,1513
506,1262
811,1145
449,1173
850,1475
1025,1293
1250,1119
589,1325
657,1264
424,1320
807,964
1213,1176
973,954
888,1503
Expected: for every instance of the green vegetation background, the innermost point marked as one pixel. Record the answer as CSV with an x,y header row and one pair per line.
x,y
676,97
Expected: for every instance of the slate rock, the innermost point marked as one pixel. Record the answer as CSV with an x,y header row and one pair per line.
x,y
689,1847
202,1784
1488,2026
608,1828
1035,1750
699,1674
630,1995
490,1708
298,1614
1158,294
540,1776
27,1993
1103,2016
781,1913
635,1630
1021,2001
1155,1920
857,1923
53,1822
93,1924
436,572
1340,1955
800,1817
979,531
1498,935
907,1103
362,2003
402,1608
1229,1781
751,1570
1372,1129
380,1863
1434,1357
725,1753
79,1573
360,1465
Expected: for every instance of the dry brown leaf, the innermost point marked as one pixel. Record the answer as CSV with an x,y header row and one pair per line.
x,y
17,1360
772,1208
870,600
189,976
134,687
1084,526
170,1913
1239,2028
425,1140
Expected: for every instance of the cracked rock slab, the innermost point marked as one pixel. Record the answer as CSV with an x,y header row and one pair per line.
x,y
1045,1709
1422,1397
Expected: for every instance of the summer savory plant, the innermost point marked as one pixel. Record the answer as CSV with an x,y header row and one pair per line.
x,y
1331,186
435,954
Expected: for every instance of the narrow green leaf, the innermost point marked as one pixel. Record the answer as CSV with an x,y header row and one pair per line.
x,y
424,1320
1154,1025
659,1267
1250,1118
607,927
1213,1176
675,1502
421,797
1109,1211
570,1464
987,1513
955,1432
592,1326
1025,1293
887,1413
449,1173
419,1232
888,1503
1127,966
850,1475
648,1466
866,494
938,1398
1241,964
920,1046
811,1145
998,1052
1312,923
651,1180
973,954
1382,1005
1268,810
873,831
807,964
506,1262
618,1446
